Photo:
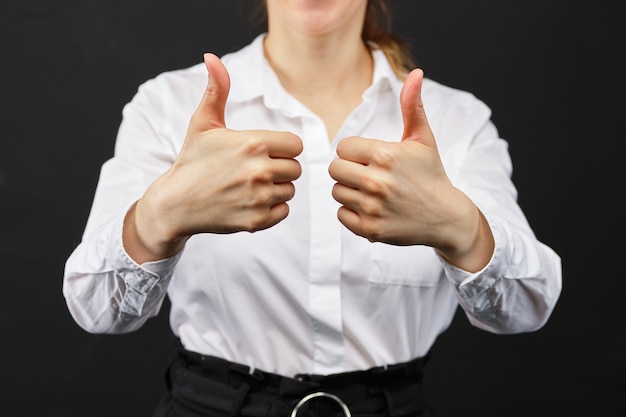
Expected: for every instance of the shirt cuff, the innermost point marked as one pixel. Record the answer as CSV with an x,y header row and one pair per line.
x,y
462,279
142,281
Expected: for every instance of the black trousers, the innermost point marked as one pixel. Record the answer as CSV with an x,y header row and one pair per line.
x,y
206,386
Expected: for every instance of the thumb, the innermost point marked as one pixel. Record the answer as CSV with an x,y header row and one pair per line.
x,y
416,126
210,112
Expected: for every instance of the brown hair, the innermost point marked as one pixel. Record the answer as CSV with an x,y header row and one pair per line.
x,y
377,31
377,34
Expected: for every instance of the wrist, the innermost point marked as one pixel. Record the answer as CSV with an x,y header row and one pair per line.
x,y
473,243
145,243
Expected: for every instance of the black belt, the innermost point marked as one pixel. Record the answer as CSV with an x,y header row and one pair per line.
x,y
213,387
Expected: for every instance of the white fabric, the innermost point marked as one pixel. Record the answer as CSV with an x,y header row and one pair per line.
x,y
307,295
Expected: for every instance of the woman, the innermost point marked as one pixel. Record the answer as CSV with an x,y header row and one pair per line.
x,y
315,223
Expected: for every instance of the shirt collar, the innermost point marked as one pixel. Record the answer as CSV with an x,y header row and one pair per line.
x,y
253,77
384,76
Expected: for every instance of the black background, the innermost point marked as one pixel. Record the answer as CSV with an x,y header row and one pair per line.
x,y
552,72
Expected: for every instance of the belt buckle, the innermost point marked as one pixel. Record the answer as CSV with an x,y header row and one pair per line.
x,y
344,407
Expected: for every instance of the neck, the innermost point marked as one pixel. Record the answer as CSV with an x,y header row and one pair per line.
x,y
327,74
318,64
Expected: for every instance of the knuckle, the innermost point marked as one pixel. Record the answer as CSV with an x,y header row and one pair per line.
x,y
289,191
253,145
383,156
298,144
374,186
297,170
371,207
256,224
212,91
262,198
259,174
371,230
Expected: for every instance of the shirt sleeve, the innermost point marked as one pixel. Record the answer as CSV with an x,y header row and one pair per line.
x,y
105,290
518,289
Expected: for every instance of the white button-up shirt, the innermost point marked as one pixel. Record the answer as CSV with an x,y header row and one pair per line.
x,y
307,295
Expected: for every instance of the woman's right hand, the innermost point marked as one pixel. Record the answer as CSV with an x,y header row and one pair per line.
x,y
223,181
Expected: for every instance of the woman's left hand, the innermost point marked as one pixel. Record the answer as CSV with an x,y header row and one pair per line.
x,y
399,192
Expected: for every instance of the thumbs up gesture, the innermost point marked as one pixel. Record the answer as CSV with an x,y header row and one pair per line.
x,y
222,181
399,192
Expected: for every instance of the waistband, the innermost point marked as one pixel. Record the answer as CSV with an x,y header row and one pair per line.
x,y
226,371
237,390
